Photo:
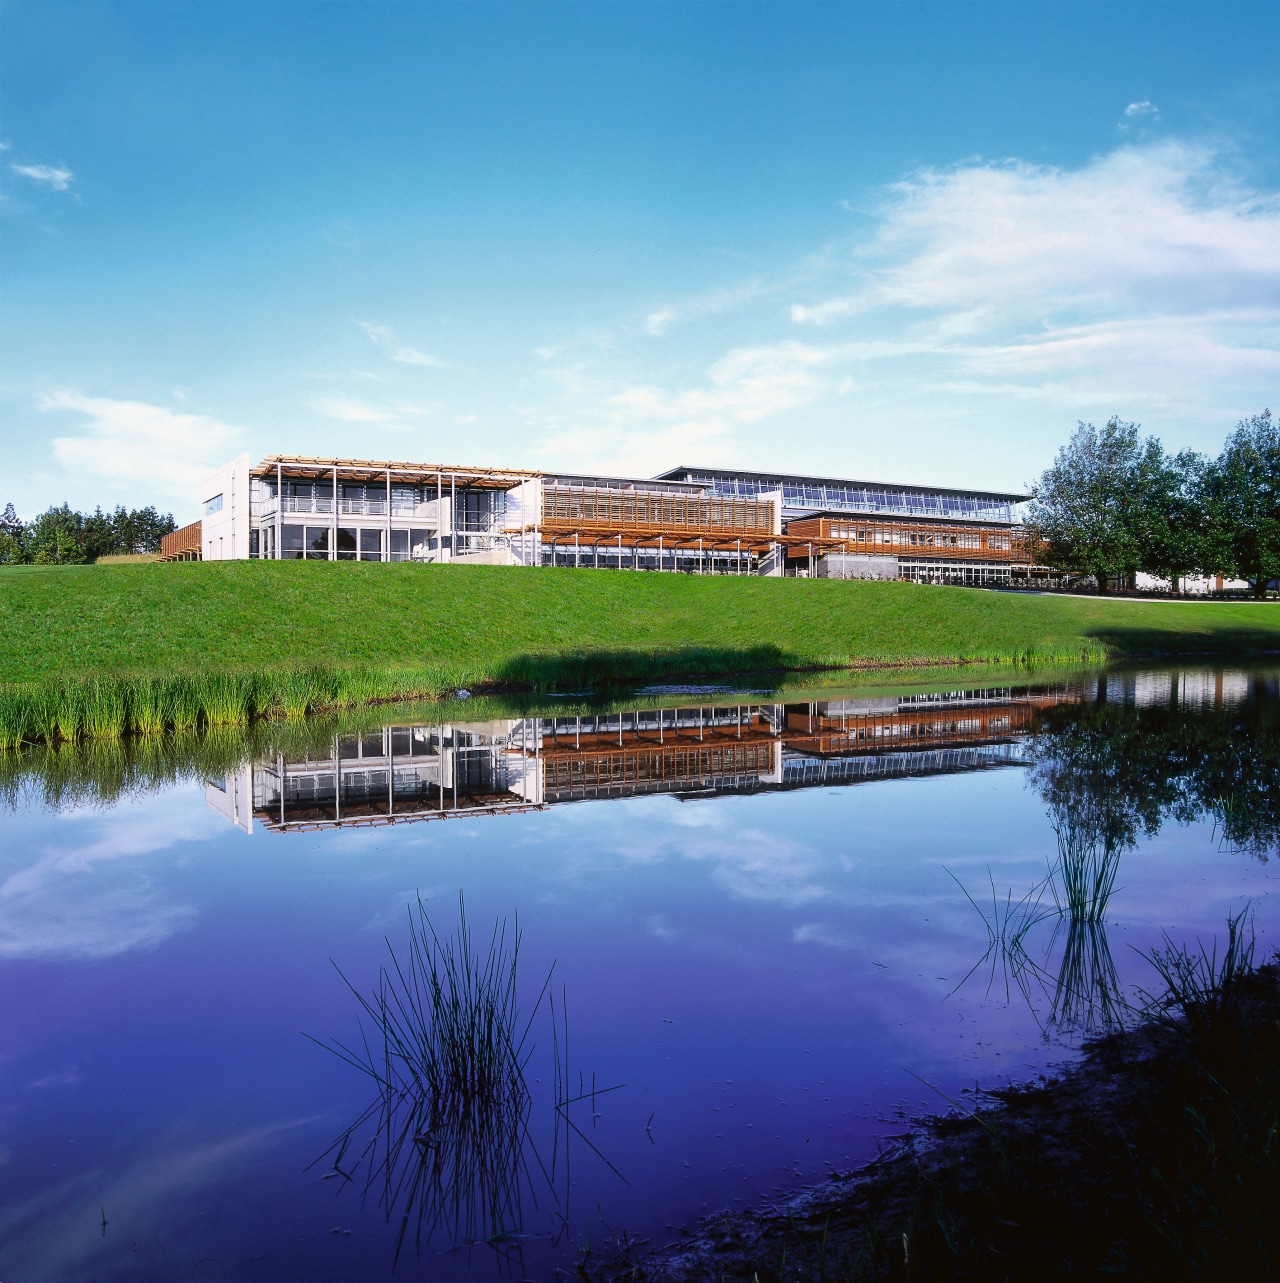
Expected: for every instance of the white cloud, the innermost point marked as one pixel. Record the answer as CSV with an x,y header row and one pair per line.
x,y
133,444
385,338
711,302
657,323
1013,244
643,428
354,410
984,304
58,177
1143,108
350,410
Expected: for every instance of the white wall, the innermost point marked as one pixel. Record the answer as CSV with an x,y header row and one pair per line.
x,y
224,534
1196,585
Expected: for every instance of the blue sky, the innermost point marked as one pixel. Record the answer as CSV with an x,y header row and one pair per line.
x,y
895,241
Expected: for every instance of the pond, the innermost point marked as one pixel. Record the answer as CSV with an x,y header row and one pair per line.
x,y
243,1037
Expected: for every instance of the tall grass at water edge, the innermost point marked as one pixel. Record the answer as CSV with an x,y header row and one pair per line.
x,y
108,707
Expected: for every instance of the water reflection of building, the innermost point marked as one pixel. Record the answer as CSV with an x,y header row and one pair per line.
x,y
408,773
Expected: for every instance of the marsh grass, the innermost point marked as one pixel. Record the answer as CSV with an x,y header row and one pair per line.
x,y
1083,990
445,1146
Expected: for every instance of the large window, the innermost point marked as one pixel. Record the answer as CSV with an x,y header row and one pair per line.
x,y
347,544
292,541
318,543
213,505
399,545
371,545
419,545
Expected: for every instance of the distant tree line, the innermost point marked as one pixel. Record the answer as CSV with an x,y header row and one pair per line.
x,y
61,537
1114,504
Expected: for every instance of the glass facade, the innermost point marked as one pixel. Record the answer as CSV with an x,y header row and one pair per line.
x,y
805,495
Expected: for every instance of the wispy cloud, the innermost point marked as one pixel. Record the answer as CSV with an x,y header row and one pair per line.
x,y
707,303
348,409
985,297
1143,108
147,448
642,428
57,177
395,348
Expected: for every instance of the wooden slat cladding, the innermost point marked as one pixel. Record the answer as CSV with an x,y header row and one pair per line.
x,y
183,544
666,769
907,539
590,508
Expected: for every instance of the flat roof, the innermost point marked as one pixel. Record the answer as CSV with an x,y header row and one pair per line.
x,y
297,465
807,480
599,480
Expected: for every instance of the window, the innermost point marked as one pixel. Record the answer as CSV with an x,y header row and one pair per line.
x,y
399,545
420,545
253,543
291,541
346,544
213,505
371,545
317,543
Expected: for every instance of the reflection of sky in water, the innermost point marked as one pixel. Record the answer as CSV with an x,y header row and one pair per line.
x,y
766,973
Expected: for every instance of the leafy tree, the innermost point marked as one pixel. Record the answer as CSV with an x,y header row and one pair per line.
x,y
1168,518
1083,511
56,538
12,529
1243,486
63,537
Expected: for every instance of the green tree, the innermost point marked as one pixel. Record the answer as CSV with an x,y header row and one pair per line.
x,y
1083,511
56,538
98,536
1168,518
142,529
12,530
1243,486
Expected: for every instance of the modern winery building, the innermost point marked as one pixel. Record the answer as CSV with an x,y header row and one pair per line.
x,y
695,520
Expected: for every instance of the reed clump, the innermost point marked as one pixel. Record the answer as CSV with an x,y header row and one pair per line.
x,y
71,710
442,1146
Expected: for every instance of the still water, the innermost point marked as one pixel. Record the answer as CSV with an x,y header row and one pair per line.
x,y
773,926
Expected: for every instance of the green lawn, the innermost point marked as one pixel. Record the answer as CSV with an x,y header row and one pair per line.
x,y
493,622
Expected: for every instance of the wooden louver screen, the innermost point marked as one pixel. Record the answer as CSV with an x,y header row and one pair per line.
x,y
639,510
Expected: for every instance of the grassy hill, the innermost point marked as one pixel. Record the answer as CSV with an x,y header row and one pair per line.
x,y
93,652
498,624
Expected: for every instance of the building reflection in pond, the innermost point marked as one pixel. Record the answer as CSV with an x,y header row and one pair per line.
x,y
410,773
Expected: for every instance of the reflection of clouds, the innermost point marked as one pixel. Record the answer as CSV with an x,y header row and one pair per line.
x,y
660,927
84,895
820,933
67,1078
749,863
43,1236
